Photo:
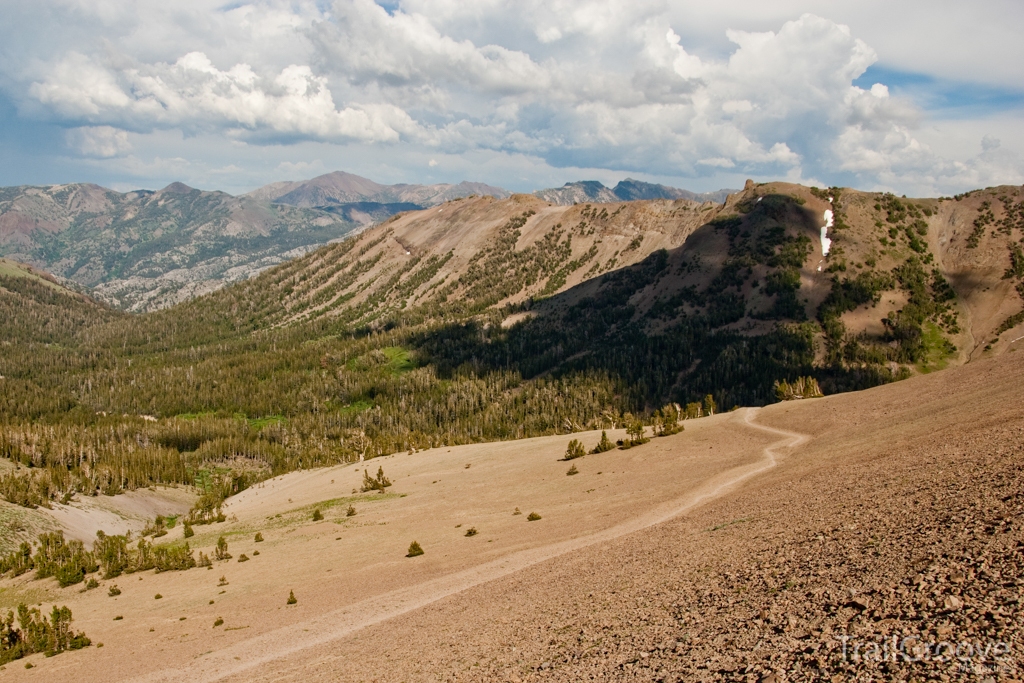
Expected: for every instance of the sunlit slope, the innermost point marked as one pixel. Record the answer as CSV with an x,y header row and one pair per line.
x,y
346,568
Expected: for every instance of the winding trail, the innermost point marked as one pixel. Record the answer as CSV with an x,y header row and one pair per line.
x,y
273,645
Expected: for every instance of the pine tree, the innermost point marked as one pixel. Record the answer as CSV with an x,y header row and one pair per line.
x,y
604,445
574,450
709,405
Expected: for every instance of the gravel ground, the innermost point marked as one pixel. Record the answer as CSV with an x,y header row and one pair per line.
x,y
889,547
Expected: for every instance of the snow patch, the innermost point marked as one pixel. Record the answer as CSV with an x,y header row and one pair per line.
x,y
826,243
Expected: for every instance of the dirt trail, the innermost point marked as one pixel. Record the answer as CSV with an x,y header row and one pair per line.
x,y
331,626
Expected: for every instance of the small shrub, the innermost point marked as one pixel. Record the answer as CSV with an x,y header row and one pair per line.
x,y
351,512
223,581
635,430
532,517
604,445
317,515
255,553
221,552
218,622
574,450
291,598
114,591
375,484
118,618
92,583
187,530
471,531
414,550
243,558
572,471
517,511
157,596
259,537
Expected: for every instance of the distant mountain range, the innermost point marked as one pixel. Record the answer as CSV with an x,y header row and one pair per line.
x,y
345,188
627,190
145,250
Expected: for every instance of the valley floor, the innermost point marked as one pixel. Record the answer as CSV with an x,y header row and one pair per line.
x,y
736,550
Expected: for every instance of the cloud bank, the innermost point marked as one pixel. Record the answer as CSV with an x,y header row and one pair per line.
x,y
604,86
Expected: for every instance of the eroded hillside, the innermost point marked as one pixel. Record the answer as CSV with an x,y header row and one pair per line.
x,y
147,250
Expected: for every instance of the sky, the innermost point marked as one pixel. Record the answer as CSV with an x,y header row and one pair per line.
x,y
918,98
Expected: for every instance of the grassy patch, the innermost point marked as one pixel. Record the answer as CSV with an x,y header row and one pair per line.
x,y
399,359
32,593
19,524
261,422
12,269
356,407
937,349
326,505
727,524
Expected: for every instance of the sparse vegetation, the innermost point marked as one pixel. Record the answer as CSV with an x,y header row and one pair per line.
x,y
572,471
605,444
378,483
38,634
471,531
414,550
574,450
258,538
317,515
802,387
291,598
218,622
351,511
532,517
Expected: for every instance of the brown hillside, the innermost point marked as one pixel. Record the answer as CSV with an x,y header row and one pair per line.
x,y
441,255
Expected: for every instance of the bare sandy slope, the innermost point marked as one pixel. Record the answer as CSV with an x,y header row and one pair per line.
x,y
734,551
82,517
349,572
902,515
131,511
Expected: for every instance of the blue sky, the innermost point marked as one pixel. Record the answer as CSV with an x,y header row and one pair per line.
x,y
921,98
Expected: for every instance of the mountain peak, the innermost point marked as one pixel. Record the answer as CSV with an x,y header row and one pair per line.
x,y
177,188
626,190
340,187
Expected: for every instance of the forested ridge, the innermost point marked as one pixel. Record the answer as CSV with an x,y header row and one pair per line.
x,y
373,345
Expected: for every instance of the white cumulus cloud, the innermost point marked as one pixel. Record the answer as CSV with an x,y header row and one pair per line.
x,y
671,90
98,141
